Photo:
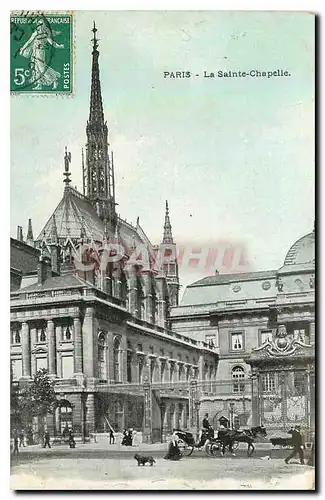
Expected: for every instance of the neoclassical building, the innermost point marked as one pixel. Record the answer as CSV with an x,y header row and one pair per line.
x,y
263,324
90,302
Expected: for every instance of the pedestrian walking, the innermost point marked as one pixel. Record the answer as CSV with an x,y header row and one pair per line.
x,y
47,440
297,445
72,443
16,449
173,451
21,439
111,437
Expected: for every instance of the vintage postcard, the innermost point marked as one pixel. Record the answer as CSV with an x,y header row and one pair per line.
x,y
162,302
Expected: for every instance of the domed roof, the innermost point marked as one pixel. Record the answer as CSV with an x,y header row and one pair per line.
x,y
303,251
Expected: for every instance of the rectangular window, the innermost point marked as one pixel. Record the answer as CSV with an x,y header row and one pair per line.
x,y
268,382
17,369
41,363
300,334
67,366
266,336
237,341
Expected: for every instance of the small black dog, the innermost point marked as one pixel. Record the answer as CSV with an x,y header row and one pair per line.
x,y
143,460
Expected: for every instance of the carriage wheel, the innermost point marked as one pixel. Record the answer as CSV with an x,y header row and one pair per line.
x,y
184,448
235,445
214,450
207,448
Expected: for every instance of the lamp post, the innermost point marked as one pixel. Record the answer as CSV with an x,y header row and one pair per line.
x,y
231,406
197,408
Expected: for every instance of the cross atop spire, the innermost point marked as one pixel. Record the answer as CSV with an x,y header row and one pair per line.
x,y
96,115
94,39
168,237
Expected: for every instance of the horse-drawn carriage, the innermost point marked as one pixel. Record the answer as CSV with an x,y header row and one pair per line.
x,y
227,438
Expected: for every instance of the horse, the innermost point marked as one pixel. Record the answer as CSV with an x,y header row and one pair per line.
x,y
228,437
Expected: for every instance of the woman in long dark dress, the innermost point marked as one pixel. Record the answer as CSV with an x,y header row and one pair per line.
x,y
173,452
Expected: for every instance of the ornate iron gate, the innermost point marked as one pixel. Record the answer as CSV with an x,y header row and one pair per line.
x,y
285,398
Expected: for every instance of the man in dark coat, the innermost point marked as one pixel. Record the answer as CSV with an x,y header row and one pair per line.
x,y
47,440
205,422
16,449
111,437
297,445
22,439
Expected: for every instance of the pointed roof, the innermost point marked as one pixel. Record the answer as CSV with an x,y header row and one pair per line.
x,y
75,216
96,114
168,237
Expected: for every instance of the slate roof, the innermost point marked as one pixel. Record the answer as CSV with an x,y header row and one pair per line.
x,y
58,282
23,257
75,212
222,279
302,251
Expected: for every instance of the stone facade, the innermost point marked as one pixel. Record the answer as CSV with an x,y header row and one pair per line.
x,y
242,315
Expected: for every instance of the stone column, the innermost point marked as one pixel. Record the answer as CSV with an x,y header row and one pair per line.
x,y
77,352
57,421
116,275
161,303
164,421
25,346
33,340
51,347
191,405
283,380
147,420
156,376
255,399
88,342
90,415
148,297
58,338
133,293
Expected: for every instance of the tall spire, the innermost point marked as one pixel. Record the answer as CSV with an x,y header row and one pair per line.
x,y
96,114
168,237
98,178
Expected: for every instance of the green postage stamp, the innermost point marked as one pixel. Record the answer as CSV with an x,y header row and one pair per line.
x,y
41,52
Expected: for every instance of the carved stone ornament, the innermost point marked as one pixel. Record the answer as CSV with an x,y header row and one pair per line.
x,y
282,344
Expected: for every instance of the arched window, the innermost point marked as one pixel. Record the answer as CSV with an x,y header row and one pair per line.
x,y
102,356
116,359
67,333
180,373
16,337
238,376
41,335
129,356
65,416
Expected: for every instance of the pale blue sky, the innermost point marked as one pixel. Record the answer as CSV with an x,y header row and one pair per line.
x,y
234,157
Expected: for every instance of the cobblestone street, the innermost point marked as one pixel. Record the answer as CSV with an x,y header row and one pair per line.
x,y
95,467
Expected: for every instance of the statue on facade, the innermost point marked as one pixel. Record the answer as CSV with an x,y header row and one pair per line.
x,y
279,284
312,282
